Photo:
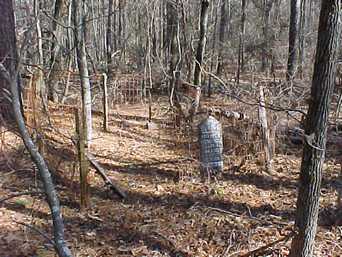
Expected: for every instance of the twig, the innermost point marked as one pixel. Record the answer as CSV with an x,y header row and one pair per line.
x,y
37,231
267,106
238,215
56,21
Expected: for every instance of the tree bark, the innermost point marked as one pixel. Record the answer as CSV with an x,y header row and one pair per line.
x,y
323,83
171,53
202,41
80,34
213,48
293,39
109,36
7,57
105,103
222,31
56,59
241,54
266,50
41,90
172,32
49,188
301,39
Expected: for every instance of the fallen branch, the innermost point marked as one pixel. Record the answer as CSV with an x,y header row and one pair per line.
x,y
239,215
37,231
106,179
32,193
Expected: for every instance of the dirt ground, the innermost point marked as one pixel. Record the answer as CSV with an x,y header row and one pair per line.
x,y
169,210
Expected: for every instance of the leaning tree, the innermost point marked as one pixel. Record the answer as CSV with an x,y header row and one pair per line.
x,y
316,128
9,81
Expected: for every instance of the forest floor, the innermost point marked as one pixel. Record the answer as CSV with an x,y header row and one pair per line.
x,y
169,210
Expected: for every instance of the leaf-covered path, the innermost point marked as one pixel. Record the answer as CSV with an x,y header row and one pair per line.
x,y
169,211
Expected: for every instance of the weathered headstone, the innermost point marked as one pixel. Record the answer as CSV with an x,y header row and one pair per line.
x,y
211,146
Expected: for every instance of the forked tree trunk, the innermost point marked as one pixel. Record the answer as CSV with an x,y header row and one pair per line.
x,y
323,83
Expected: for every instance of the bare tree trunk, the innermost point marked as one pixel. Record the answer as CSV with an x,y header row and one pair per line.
x,y
187,53
56,60
120,25
222,31
323,83
302,32
49,188
171,44
9,77
109,36
213,48
293,39
241,58
124,29
266,50
7,57
202,41
80,40
172,32
105,102
96,42
70,57
41,90
116,38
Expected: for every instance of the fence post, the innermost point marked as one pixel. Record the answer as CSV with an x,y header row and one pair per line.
x,y
83,162
265,131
